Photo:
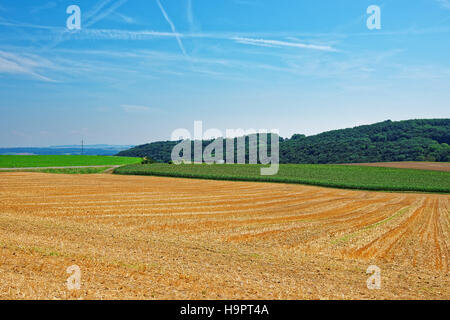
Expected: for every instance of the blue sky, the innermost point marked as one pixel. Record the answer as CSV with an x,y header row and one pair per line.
x,y
139,69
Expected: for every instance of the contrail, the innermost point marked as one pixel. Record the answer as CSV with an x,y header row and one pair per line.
x,y
90,22
106,13
96,9
190,15
172,26
277,43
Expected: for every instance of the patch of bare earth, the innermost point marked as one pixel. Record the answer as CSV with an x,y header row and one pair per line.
x,y
167,238
435,166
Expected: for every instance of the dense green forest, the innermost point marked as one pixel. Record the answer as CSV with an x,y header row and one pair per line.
x,y
410,140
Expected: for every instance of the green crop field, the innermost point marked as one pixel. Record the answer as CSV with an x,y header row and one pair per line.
x,y
62,161
338,176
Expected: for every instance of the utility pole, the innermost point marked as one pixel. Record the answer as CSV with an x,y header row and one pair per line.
x,y
82,147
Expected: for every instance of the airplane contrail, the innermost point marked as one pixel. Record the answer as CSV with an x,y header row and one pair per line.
x,y
96,9
172,26
106,13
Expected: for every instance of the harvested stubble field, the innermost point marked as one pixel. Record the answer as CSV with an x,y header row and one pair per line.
x,y
161,238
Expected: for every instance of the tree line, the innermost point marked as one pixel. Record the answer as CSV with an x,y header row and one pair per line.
x,y
409,140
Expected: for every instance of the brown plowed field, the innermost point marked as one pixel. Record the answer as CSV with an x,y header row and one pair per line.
x,y
435,166
168,238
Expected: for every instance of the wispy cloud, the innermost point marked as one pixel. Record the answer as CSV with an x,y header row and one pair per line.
x,y
15,24
277,43
21,134
190,15
80,132
444,3
48,5
138,109
246,2
26,65
114,34
91,17
96,9
240,37
105,13
193,25
125,18
172,26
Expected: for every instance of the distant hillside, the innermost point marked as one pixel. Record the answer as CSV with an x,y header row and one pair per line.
x,y
95,146
97,150
410,140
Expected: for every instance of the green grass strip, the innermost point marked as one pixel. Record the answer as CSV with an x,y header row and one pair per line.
x,y
13,161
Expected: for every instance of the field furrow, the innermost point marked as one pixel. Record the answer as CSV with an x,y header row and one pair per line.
x,y
154,237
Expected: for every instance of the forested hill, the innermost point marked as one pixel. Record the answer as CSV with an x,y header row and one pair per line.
x,y
410,140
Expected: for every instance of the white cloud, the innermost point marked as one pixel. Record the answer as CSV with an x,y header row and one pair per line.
x,y
277,43
27,64
444,3
113,34
21,134
48,5
137,108
80,132
5,23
